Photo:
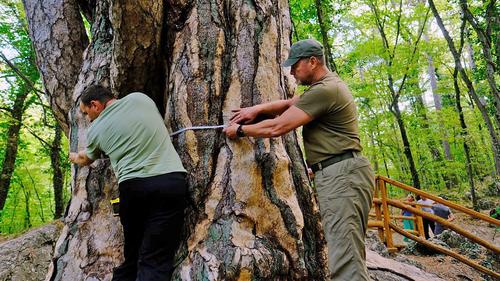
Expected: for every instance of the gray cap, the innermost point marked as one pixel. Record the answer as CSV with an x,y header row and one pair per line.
x,y
303,49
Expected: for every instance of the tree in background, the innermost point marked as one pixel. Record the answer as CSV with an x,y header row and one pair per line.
x,y
18,73
428,82
28,123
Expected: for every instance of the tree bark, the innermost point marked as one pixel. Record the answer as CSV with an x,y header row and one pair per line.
x,y
495,142
11,146
252,213
59,45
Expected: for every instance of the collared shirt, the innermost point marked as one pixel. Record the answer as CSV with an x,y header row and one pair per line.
x,y
334,129
132,133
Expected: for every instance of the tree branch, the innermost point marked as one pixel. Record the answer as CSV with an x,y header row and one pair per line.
x,y
414,50
59,39
22,76
398,28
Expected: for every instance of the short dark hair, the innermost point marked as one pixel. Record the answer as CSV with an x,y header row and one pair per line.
x,y
96,92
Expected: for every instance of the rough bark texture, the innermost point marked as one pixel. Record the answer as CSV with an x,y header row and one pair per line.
x,y
58,36
11,146
252,214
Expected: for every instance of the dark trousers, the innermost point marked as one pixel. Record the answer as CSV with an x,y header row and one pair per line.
x,y
427,224
152,215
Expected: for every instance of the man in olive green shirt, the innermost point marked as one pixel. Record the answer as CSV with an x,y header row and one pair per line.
x,y
150,175
343,177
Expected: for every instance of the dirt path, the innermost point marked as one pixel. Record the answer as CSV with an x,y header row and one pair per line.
x,y
450,269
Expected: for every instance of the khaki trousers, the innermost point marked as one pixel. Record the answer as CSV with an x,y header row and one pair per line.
x,y
345,193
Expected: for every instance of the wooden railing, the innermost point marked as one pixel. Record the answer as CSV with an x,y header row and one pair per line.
x,y
383,222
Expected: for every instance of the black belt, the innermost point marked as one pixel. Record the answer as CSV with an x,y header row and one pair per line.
x,y
332,160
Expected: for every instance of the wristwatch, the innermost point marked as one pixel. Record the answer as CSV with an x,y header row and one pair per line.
x,y
239,131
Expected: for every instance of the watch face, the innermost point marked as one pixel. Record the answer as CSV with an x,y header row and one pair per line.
x,y
239,131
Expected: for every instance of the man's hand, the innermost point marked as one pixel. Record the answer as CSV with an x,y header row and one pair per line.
x,y
80,158
73,156
244,115
230,130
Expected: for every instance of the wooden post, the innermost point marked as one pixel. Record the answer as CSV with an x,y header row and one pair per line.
x,y
387,215
420,223
378,212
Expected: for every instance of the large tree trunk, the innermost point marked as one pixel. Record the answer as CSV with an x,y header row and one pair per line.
x,y
252,214
11,146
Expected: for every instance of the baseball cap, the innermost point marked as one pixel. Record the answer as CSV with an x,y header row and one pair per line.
x,y
303,49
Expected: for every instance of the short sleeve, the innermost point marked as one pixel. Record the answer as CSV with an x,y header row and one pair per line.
x,y
93,150
317,102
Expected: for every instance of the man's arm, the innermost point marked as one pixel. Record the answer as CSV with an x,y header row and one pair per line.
x,y
292,118
248,114
80,158
451,217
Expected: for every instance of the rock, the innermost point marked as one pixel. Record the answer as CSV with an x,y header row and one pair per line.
x,y
384,266
485,204
493,189
417,249
372,242
452,239
27,257
464,245
384,269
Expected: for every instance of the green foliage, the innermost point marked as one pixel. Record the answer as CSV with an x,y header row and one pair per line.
x,y
363,62
30,200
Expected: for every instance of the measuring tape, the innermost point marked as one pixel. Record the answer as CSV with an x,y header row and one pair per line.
x,y
197,128
115,202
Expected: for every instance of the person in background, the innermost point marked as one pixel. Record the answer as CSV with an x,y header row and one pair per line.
x,y
427,208
444,212
408,224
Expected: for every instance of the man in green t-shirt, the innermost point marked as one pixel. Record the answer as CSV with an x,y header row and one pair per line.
x,y
151,178
343,177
